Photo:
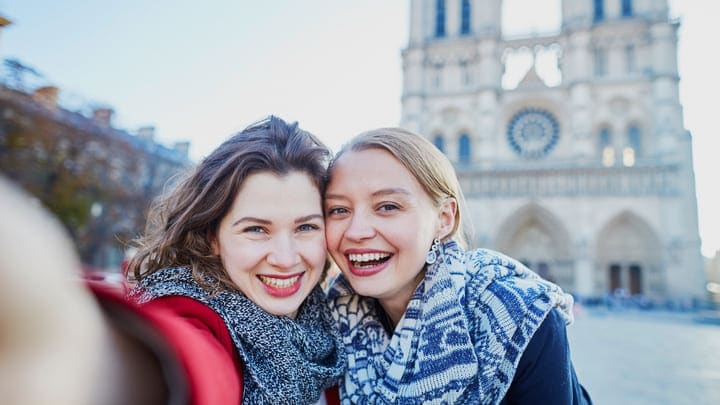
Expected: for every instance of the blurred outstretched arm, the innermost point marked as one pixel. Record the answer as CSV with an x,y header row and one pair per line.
x,y
56,345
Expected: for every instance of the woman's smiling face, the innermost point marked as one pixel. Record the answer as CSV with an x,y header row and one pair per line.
x,y
380,224
272,241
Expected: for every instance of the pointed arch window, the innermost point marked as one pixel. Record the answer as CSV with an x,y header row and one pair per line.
x,y
465,18
598,10
634,138
464,153
632,148
439,18
439,142
627,8
606,149
604,138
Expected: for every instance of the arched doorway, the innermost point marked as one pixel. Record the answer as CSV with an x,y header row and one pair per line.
x,y
534,236
627,257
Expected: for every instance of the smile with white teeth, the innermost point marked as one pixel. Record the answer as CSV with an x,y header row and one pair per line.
x,y
367,259
280,282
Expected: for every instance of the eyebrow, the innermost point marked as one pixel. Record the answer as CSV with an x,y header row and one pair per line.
x,y
308,218
252,219
381,192
305,218
392,190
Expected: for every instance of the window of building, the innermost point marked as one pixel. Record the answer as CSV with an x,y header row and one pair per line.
x,y
439,18
600,62
604,137
630,58
627,9
606,148
632,148
439,142
465,20
598,10
634,138
628,156
533,132
464,152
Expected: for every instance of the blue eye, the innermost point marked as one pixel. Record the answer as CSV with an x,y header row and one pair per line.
x,y
388,207
337,211
308,227
254,229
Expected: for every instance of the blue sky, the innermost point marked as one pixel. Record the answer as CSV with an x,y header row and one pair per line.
x,y
200,71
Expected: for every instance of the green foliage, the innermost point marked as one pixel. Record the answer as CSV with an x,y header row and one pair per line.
x,y
70,164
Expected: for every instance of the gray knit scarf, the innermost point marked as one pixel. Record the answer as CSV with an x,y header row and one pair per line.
x,y
460,339
284,360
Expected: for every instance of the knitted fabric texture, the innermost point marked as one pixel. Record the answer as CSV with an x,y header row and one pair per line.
x,y
460,339
284,360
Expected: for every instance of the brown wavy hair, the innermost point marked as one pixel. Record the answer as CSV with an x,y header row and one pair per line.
x,y
182,224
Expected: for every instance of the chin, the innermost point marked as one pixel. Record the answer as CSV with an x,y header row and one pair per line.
x,y
366,289
283,310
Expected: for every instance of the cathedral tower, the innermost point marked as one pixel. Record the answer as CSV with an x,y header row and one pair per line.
x,y
587,179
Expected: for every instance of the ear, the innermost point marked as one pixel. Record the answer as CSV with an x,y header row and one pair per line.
x,y
447,215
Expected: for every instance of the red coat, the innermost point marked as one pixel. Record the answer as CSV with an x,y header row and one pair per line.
x,y
198,339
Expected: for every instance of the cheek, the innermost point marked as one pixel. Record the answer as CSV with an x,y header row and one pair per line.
x,y
315,252
333,234
239,251
411,237
235,258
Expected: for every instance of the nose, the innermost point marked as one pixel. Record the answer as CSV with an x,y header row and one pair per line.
x,y
359,228
284,252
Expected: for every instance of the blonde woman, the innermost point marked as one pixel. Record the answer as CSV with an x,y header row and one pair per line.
x,y
424,320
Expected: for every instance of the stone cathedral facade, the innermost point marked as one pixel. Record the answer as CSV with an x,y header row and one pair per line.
x,y
588,180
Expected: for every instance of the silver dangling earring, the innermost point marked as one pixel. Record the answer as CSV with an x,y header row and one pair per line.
x,y
432,255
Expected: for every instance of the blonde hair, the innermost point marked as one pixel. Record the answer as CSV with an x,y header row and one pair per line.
x,y
424,161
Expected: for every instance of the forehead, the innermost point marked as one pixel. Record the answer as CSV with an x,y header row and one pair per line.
x,y
371,169
269,193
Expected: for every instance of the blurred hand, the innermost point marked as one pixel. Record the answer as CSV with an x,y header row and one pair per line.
x,y
52,334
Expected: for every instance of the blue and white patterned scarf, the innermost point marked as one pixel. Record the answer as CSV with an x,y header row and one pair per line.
x,y
284,360
460,339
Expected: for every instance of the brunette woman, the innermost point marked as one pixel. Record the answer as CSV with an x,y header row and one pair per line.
x,y
227,278
238,248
